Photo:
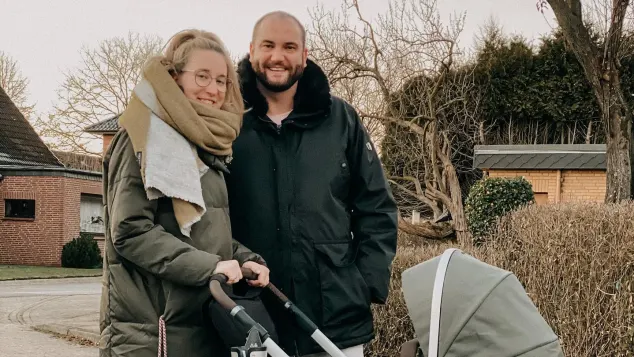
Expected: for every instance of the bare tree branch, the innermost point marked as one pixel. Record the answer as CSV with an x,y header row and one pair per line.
x,y
99,88
399,72
15,84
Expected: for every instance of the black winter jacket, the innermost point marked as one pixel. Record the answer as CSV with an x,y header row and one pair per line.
x,y
311,198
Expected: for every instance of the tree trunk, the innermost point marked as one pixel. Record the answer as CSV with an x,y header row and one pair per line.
x,y
589,133
481,132
602,71
455,206
511,131
619,150
427,229
434,148
457,213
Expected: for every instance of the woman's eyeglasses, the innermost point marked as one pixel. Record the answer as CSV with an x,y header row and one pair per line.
x,y
203,79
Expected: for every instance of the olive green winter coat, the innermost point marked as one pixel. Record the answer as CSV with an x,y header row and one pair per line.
x,y
151,269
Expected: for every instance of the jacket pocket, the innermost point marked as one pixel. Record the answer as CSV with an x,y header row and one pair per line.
x,y
131,299
344,293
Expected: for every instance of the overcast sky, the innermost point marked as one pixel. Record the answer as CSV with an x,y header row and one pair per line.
x,y
44,36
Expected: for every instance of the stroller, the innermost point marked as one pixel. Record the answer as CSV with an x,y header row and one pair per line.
x,y
459,307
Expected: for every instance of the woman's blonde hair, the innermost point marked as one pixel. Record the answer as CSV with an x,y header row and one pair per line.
x,y
180,48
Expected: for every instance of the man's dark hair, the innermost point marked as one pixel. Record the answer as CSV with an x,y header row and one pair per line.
x,y
283,15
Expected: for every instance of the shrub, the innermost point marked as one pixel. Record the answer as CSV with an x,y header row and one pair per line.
x,y
492,198
576,262
81,252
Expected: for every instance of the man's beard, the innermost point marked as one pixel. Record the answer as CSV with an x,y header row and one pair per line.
x,y
294,76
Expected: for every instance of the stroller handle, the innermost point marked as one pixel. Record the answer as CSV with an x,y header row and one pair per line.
x,y
219,295
246,273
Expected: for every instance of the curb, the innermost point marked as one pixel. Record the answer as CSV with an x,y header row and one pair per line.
x,y
63,330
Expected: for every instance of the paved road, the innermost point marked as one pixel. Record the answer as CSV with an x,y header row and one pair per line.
x,y
31,302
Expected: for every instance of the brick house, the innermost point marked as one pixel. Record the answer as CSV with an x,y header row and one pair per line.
x,y
45,200
106,128
558,173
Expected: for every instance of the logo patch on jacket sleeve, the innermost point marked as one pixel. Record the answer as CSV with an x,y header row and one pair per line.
x,y
370,151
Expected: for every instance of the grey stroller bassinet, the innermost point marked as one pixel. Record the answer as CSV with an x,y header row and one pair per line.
x,y
461,307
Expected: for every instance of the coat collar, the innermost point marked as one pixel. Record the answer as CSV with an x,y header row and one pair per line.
x,y
213,161
312,97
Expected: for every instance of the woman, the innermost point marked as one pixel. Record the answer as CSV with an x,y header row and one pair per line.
x,y
166,215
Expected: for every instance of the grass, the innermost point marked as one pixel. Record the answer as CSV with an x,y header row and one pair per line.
x,y
21,272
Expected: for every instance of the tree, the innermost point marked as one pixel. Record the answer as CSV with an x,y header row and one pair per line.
x,y
534,95
15,84
602,70
403,65
567,105
97,89
441,158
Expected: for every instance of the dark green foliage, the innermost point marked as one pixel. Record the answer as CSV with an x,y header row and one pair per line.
x,y
535,96
82,252
491,198
504,72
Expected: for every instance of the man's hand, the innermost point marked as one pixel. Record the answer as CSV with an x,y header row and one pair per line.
x,y
261,271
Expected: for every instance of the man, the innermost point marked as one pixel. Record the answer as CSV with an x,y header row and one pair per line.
x,y
307,192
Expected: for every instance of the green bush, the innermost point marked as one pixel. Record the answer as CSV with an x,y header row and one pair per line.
x,y
491,198
82,252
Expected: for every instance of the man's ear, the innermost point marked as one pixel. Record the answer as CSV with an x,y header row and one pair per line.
x,y
251,49
305,55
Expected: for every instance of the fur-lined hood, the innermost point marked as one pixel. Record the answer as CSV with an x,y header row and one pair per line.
x,y
313,90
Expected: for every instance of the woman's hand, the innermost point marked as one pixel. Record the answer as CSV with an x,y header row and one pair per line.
x,y
231,269
261,271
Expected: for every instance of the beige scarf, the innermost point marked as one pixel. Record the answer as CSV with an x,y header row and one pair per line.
x,y
166,128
